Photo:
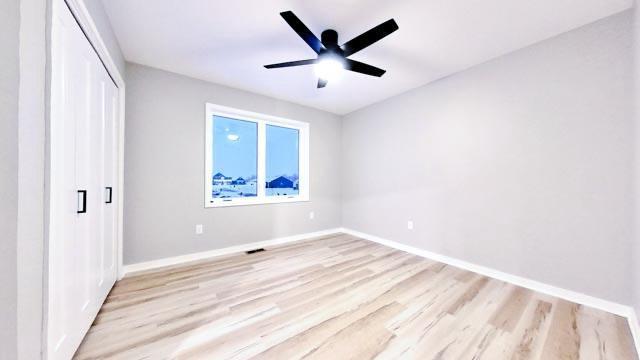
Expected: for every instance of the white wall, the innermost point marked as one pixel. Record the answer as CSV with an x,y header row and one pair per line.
x,y
164,170
31,178
522,164
9,85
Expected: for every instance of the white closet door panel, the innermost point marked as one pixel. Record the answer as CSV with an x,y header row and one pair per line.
x,y
68,293
95,165
105,270
63,264
83,108
109,255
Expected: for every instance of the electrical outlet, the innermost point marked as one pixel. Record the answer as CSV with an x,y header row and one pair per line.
x,y
199,229
312,215
410,225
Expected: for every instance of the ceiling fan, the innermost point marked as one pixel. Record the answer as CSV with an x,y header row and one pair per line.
x,y
332,58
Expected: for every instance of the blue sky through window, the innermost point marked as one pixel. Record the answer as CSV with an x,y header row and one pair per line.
x,y
235,158
282,152
282,160
235,148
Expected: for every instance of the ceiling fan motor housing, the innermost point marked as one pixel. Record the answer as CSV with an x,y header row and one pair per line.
x,y
331,49
329,39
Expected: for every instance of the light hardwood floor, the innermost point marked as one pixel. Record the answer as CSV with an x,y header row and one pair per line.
x,y
340,297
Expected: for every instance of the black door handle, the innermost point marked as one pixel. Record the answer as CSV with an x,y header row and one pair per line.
x,y
109,195
82,205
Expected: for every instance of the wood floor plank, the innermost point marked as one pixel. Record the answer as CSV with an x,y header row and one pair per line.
x,y
534,325
362,339
563,340
509,313
341,297
303,311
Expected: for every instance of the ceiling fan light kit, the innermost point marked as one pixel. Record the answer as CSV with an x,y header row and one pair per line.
x,y
333,58
329,68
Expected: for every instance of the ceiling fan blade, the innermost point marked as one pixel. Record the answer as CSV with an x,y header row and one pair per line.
x,y
322,83
369,37
363,68
302,30
291,63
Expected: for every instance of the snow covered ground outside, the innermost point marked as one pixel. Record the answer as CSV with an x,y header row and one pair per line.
x,y
250,189
233,191
281,191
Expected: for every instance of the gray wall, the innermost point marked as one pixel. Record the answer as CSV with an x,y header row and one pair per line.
x,y
164,170
636,243
522,164
9,85
103,24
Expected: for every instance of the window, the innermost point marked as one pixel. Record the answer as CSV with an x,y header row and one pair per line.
x,y
282,161
254,158
235,158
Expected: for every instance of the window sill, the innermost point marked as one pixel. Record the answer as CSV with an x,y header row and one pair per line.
x,y
244,201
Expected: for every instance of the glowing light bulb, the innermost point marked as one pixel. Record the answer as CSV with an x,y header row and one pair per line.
x,y
329,69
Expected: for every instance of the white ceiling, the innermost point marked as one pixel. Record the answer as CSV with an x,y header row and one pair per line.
x,y
228,42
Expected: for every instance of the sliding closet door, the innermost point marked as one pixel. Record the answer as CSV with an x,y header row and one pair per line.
x,y
107,256
82,222
89,173
86,179
65,301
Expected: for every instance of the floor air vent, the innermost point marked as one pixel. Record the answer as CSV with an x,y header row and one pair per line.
x,y
254,251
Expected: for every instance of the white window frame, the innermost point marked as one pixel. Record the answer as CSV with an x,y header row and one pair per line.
x,y
262,120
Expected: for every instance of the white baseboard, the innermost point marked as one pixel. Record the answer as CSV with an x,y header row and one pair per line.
x,y
569,295
635,328
154,264
565,294
579,298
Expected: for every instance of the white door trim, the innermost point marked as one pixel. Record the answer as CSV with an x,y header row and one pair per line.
x,y
87,24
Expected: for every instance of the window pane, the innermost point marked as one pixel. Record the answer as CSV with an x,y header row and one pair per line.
x,y
282,161
235,158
